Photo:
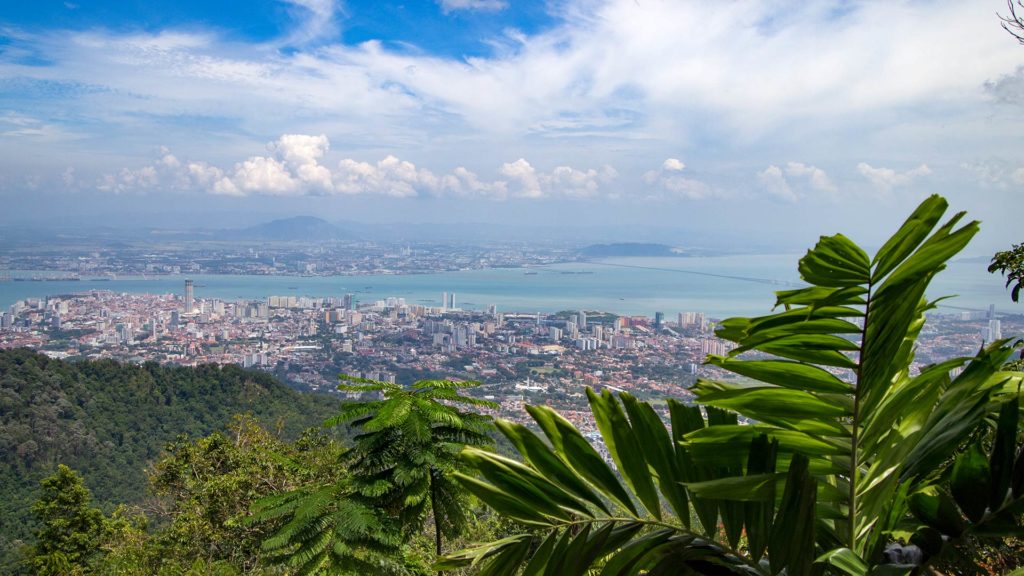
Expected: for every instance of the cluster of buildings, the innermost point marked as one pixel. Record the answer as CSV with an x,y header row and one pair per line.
x,y
188,255
518,357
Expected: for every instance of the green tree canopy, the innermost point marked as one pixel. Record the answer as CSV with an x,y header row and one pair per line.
x,y
1010,263
69,527
399,472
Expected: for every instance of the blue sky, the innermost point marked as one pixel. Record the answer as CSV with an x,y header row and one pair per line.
x,y
760,122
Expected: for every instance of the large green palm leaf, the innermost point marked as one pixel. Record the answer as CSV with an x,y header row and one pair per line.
x,y
826,383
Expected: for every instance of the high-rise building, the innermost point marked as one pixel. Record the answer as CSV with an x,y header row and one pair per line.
x,y
659,320
581,320
190,301
995,330
451,301
444,300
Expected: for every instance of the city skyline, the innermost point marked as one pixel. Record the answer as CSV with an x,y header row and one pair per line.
x,y
740,120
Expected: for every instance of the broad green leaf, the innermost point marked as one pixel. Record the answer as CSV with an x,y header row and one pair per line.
x,y
845,560
539,560
659,451
727,465
910,235
932,255
937,510
814,348
820,297
835,261
540,456
504,503
710,443
574,449
1001,460
762,401
795,375
515,478
791,545
634,553
739,488
969,482
757,516
625,449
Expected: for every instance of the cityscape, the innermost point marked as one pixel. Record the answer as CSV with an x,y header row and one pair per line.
x,y
519,357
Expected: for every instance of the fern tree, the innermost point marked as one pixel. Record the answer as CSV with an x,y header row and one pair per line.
x,y
399,472
825,450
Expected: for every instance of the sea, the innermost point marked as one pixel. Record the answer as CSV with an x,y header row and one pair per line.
x,y
719,286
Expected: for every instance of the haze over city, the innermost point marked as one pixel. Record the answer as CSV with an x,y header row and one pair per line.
x,y
749,121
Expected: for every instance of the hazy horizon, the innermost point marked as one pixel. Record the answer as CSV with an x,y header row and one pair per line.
x,y
747,123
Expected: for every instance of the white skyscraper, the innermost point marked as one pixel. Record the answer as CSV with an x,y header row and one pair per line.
x,y
995,330
190,301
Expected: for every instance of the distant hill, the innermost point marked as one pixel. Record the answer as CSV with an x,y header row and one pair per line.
x,y
296,229
627,249
109,421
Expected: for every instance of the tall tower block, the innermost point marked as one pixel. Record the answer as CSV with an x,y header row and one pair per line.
x,y
190,300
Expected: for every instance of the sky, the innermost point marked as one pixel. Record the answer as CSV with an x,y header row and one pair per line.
x,y
762,122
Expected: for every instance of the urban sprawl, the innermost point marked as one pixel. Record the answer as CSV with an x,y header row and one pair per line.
x,y
519,357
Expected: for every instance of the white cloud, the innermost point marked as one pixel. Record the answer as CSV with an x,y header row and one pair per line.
x,y
774,181
673,165
885,179
793,182
816,177
389,177
317,20
669,180
295,166
473,5
293,169
163,174
525,175
568,181
995,173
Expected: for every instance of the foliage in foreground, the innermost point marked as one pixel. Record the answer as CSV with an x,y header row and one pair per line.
x,y
1011,264
852,465
109,421
398,472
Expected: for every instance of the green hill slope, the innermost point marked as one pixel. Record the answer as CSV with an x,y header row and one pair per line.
x,y
109,421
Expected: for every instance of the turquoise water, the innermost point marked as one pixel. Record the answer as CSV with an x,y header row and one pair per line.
x,y
719,286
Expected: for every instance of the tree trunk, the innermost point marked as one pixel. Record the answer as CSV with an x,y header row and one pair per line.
x,y
437,519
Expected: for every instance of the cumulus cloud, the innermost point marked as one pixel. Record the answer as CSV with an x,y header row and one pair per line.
x,y
816,177
463,182
163,174
473,5
774,181
295,165
389,177
293,168
562,181
670,181
525,175
885,179
793,182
